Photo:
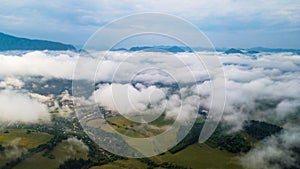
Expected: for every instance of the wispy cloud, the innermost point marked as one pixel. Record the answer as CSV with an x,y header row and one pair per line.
x,y
249,81
19,107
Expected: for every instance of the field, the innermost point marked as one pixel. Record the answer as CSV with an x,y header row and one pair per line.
x,y
201,156
220,152
123,164
196,156
22,139
61,153
129,128
27,140
155,127
38,160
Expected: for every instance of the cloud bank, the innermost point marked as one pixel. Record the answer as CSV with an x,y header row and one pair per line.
x,y
19,107
263,87
142,103
252,81
11,82
38,64
12,150
279,151
73,147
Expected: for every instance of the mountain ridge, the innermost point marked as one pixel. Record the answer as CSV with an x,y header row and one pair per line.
x,y
176,49
9,42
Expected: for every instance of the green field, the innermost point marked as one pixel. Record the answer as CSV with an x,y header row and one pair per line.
x,y
21,139
123,164
61,153
196,156
24,139
38,160
201,156
28,141
137,130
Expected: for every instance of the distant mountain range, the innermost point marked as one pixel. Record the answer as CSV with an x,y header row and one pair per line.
x,y
8,42
176,49
260,49
172,49
241,51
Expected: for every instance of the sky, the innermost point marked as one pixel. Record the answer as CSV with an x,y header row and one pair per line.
x,y
227,23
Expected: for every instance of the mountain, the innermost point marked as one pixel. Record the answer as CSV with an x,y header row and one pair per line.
x,y
241,51
172,49
8,42
119,49
176,49
262,49
232,50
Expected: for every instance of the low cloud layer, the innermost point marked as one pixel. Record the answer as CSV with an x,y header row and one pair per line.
x,y
12,150
252,81
11,82
19,107
264,88
279,151
119,65
148,101
74,147
38,64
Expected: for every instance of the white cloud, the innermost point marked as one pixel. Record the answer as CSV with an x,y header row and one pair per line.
x,y
12,150
38,64
74,147
18,107
142,103
11,82
146,103
271,77
276,152
252,83
287,107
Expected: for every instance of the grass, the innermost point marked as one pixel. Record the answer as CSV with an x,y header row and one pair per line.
x,y
61,154
196,156
135,130
201,156
123,164
138,130
22,139
162,121
38,160
26,140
